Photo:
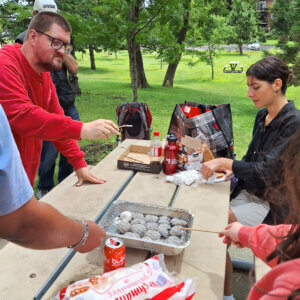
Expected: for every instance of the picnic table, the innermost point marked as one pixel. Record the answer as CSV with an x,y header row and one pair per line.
x,y
233,65
24,271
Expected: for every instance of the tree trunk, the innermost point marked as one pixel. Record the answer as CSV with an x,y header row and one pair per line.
x,y
241,49
132,65
132,49
92,57
73,79
141,77
169,77
211,61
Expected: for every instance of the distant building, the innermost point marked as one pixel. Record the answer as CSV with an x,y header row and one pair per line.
x,y
263,8
265,16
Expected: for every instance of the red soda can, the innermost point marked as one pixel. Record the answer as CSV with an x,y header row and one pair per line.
x,y
114,254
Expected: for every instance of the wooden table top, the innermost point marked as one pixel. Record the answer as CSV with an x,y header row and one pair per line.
x,y
203,259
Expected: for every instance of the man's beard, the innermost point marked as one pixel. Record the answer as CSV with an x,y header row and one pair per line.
x,y
51,66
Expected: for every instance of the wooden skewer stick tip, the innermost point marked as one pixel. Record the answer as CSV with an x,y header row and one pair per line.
x,y
125,125
197,229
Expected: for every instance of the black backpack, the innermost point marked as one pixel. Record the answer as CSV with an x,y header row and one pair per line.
x,y
64,90
138,115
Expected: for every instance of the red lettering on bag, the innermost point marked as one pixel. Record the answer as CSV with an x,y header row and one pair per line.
x,y
79,291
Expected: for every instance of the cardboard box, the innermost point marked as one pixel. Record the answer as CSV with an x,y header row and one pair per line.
x,y
137,158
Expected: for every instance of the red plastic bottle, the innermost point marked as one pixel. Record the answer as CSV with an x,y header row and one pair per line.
x,y
170,153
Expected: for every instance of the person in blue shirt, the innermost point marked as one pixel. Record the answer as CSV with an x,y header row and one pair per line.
x,y
28,222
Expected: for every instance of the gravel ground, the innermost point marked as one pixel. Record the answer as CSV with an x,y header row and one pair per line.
x,y
240,284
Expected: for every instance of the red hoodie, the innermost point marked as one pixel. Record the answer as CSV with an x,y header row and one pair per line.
x,y
33,111
284,278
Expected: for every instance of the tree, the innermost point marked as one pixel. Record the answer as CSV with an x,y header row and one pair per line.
x,y
179,47
243,20
137,18
15,18
207,28
142,15
83,16
286,26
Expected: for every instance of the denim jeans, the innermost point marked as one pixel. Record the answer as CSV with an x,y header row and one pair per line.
x,y
48,158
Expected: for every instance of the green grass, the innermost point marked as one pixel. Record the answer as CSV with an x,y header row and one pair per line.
x,y
270,42
109,85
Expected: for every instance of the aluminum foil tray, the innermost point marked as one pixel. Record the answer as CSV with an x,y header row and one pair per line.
x,y
160,246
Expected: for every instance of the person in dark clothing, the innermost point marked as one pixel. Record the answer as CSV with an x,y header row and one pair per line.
x,y
275,123
66,99
49,153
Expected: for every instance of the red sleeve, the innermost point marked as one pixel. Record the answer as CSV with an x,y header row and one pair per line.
x,y
261,239
35,112
71,151
31,119
68,148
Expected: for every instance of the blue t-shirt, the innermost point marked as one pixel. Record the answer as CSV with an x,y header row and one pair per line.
x,y
15,189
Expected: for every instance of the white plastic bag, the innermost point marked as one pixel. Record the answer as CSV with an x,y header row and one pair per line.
x,y
147,280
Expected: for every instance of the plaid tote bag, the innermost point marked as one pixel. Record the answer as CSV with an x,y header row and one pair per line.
x,y
213,125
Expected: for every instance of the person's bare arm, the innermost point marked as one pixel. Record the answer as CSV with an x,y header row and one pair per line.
x,y
219,164
38,225
71,63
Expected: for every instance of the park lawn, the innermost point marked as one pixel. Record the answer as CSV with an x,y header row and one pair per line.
x,y
109,86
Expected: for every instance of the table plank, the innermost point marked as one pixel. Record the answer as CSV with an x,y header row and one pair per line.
x,y
204,261
84,202
208,204
206,255
261,268
149,189
204,258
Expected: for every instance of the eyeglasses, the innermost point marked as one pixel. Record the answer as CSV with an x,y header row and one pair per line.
x,y
57,43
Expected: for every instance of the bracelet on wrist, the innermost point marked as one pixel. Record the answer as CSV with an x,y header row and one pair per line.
x,y
84,236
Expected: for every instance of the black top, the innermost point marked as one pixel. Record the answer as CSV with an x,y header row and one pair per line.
x,y
20,38
267,145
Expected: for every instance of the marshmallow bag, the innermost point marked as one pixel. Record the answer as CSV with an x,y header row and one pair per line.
x,y
147,280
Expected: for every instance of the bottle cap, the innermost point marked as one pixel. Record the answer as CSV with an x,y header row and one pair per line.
x,y
156,133
172,138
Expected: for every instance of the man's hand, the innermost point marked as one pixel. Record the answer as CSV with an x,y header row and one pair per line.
x,y
84,174
99,129
94,239
71,63
231,233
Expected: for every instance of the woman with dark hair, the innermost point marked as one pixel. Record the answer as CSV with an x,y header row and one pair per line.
x,y
278,246
275,122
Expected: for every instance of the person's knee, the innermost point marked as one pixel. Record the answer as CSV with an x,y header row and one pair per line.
x,y
231,217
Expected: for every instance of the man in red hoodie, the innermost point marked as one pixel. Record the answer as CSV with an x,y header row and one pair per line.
x,y
29,99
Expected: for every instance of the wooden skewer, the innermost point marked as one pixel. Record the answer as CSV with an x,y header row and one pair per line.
x,y
196,229
126,125
113,221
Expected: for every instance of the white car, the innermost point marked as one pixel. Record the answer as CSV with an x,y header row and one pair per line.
x,y
254,46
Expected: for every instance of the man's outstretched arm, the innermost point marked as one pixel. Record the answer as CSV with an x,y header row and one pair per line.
x,y
38,225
